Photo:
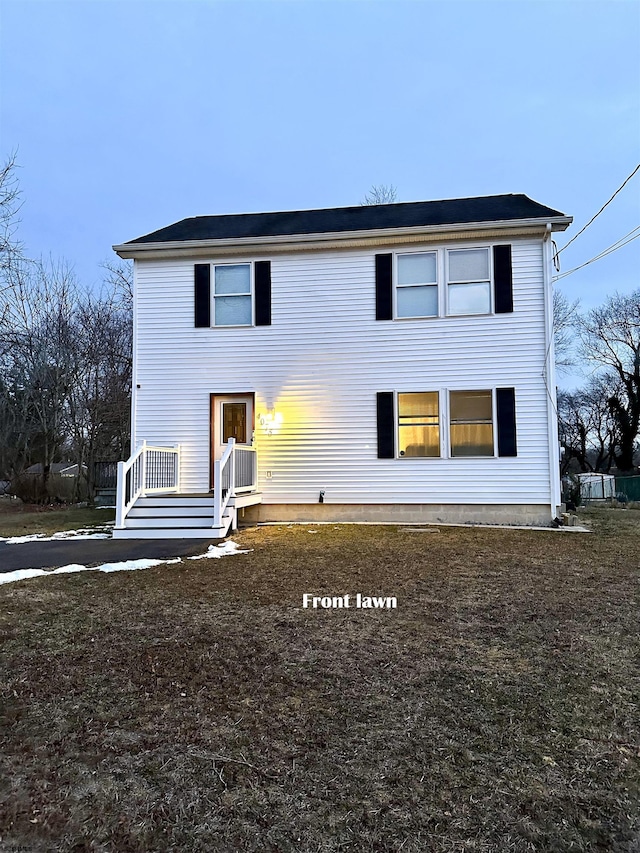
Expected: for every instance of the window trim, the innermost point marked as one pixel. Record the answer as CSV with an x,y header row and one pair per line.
x,y
251,294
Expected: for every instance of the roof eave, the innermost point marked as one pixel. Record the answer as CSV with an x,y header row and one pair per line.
x,y
301,242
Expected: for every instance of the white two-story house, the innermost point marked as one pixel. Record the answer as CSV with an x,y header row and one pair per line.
x,y
388,363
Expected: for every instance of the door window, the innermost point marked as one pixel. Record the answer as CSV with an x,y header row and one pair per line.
x,y
234,422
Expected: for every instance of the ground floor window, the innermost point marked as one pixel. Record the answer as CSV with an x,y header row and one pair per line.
x,y
471,423
418,424
446,423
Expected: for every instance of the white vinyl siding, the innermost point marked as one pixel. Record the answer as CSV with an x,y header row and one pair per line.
x,y
319,366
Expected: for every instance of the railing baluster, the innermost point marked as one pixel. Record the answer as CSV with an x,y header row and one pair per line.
x,y
150,469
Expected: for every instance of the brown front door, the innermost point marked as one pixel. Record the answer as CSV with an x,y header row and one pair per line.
x,y
231,417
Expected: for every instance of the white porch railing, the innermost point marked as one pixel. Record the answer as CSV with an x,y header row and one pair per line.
x,y
246,478
234,473
150,470
153,470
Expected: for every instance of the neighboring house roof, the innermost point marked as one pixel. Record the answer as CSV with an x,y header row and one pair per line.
x,y
68,468
483,209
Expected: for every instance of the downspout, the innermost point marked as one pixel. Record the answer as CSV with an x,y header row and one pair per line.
x,y
134,362
549,375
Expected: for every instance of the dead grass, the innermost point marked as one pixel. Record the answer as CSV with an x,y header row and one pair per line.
x,y
17,519
198,707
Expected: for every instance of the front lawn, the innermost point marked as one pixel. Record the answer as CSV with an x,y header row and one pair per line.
x,y
17,519
199,707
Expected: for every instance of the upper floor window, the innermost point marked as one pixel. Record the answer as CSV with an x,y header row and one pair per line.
x,y
444,282
232,295
468,281
417,285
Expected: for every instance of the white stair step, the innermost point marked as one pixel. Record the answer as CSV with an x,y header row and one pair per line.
x,y
168,521
175,500
145,511
210,533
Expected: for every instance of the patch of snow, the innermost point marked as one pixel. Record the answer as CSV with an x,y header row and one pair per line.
x,y
224,549
131,565
21,574
66,570
124,566
82,533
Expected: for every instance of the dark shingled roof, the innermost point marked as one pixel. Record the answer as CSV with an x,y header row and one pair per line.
x,y
361,218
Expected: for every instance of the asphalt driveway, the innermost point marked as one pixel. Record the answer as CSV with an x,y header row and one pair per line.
x,y
94,552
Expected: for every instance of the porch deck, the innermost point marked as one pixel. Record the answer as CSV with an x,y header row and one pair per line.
x,y
150,504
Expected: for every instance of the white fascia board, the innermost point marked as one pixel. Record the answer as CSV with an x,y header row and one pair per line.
x,y
344,239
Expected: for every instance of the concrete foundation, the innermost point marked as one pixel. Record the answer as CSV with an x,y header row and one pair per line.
x,y
534,514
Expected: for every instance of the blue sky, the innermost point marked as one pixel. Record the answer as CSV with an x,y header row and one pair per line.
x,y
127,116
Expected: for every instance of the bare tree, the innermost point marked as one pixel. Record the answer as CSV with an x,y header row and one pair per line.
x,y
380,194
610,340
65,358
99,398
564,322
119,277
65,372
587,428
10,247
36,352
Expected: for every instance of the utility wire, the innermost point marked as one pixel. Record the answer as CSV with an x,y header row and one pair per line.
x,y
613,248
582,230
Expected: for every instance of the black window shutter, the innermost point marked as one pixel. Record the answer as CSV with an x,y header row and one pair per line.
x,y
506,417
502,279
262,278
384,288
202,295
386,442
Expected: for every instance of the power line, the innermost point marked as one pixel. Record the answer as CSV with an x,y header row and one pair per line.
x,y
613,248
582,230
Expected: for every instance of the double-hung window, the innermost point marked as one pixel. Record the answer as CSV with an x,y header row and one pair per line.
x,y
418,424
444,282
468,281
446,424
232,295
471,423
417,285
